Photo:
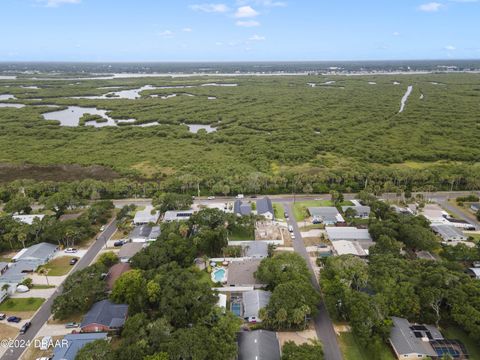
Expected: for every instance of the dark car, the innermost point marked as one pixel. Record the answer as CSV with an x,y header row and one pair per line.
x,y
14,319
25,327
118,243
73,261
285,215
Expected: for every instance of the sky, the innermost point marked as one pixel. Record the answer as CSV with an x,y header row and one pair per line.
x,y
238,30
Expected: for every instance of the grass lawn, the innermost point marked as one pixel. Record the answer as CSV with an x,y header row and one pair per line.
x,y
42,287
473,347
279,211
476,237
21,304
239,234
300,207
59,266
351,350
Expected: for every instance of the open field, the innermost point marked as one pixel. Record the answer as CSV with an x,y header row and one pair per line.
x,y
268,129
21,305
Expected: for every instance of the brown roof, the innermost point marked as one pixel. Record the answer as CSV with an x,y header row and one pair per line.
x,y
115,272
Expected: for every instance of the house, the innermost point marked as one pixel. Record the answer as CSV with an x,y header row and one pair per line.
x,y
253,301
28,219
258,345
182,215
265,208
435,214
345,247
413,341
474,272
241,208
72,343
40,253
146,216
104,316
241,273
255,249
459,223
144,233
115,272
352,234
449,234
361,211
328,215
475,207
128,250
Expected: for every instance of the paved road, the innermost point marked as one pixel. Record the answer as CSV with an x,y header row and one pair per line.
x,y
323,323
43,314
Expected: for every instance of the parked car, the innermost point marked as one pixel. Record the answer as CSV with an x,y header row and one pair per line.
x,y
102,228
290,228
253,197
316,221
73,261
2,316
25,327
72,325
293,235
71,250
119,243
14,319
285,215
240,196
211,198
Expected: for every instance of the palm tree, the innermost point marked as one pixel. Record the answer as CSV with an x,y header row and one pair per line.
x,y
44,271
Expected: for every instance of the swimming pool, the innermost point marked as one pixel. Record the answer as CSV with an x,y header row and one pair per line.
x,y
236,309
219,274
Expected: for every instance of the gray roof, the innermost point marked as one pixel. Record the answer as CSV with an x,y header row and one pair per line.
x,y
75,343
264,206
241,273
360,209
348,233
475,206
328,214
177,215
15,272
41,251
106,313
145,232
404,340
128,250
241,208
258,249
253,301
258,345
449,232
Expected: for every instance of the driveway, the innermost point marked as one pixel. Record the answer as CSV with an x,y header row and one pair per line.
x,y
37,293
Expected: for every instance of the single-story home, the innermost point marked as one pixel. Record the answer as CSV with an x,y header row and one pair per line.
x,y
258,345
361,211
241,273
104,316
181,215
115,272
328,215
459,223
474,272
410,341
475,207
40,253
348,233
265,208
435,214
144,233
146,216
241,208
73,344
128,250
255,249
449,233
345,247
253,301
28,219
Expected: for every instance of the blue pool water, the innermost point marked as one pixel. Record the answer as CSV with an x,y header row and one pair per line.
x,y
219,275
236,308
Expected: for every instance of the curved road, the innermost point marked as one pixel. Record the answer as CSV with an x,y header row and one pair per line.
x,y
43,314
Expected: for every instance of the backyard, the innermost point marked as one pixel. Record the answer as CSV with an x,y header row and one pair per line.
x,y
279,212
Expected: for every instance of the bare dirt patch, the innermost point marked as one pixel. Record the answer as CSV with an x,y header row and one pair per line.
x,y
10,172
298,337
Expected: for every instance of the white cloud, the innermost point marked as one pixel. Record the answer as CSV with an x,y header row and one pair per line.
x,y
396,33
464,1
210,8
56,3
450,48
246,12
166,34
431,7
265,3
248,23
187,29
257,38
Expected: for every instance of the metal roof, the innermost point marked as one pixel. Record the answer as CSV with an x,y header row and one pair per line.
x,y
360,209
74,343
257,249
42,251
345,247
28,219
258,345
106,313
255,300
264,206
328,214
348,233
145,232
241,208
177,215
407,341
449,232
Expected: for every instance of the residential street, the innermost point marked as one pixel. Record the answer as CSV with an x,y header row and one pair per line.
x,y
43,314
323,323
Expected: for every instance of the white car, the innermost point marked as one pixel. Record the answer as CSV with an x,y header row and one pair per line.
x,y
290,228
240,196
71,250
102,228
211,198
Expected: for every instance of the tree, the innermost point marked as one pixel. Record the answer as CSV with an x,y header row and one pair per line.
x,y
96,350
172,201
130,288
282,268
478,215
306,351
108,259
18,204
